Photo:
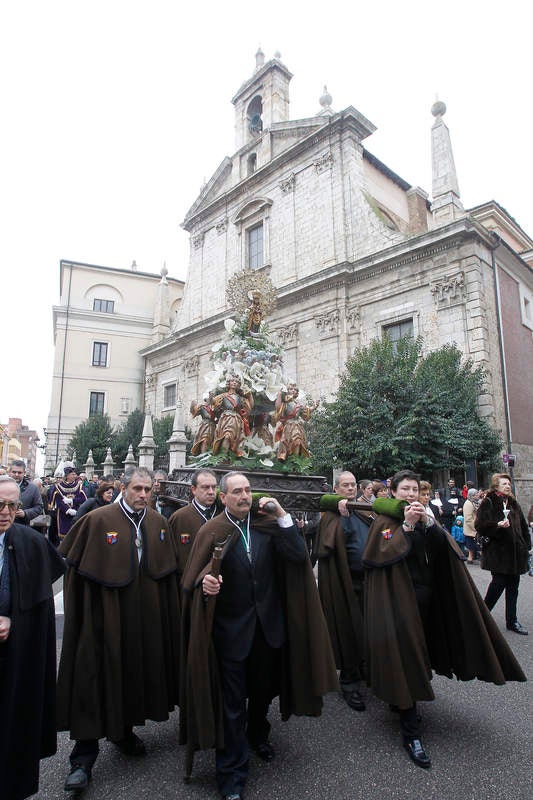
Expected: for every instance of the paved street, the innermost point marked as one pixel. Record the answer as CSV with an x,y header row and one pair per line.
x,y
479,738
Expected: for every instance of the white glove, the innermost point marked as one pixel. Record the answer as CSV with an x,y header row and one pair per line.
x,y
71,512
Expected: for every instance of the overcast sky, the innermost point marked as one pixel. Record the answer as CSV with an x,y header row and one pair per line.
x,y
114,113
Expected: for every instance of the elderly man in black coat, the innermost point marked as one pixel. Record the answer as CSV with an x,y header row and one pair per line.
x,y
28,567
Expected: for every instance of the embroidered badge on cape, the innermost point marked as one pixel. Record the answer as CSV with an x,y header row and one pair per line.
x,y
185,538
387,533
111,537
161,535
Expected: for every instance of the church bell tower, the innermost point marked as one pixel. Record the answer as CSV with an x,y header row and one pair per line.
x,y
262,100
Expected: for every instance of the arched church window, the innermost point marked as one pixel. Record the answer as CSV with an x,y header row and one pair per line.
x,y
254,112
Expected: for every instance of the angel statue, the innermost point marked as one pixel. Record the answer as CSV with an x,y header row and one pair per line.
x,y
289,417
234,406
206,430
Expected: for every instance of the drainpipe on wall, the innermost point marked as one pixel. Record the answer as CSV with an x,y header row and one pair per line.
x,y
63,366
497,241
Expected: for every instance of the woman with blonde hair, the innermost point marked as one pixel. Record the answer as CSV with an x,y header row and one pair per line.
x,y
469,513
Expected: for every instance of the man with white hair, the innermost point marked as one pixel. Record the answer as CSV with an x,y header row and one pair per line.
x,y
28,567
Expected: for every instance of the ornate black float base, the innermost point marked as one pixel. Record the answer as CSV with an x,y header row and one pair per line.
x,y
294,492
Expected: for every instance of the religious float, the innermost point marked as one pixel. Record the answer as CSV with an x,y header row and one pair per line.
x,y
252,417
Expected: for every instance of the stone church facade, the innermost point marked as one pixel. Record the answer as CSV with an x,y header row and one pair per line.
x,y
353,251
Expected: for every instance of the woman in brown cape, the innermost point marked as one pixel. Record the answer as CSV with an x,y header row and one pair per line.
x,y
419,600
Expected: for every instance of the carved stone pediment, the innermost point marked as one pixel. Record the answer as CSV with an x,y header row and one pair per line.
x,y
191,366
328,323
353,317
449,289
287,185
323,163
288,335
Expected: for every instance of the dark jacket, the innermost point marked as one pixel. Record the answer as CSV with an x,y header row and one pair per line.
x,y
32,503
307,664
28,663
504,550
89,505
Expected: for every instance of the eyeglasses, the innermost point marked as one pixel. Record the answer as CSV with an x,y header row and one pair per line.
x,y
11,505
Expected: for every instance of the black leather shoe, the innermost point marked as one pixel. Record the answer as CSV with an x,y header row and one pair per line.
x,y
77,779
517,628
265,751
417,753
354,699
131,745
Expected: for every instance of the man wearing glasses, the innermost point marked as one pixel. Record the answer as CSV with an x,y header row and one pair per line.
x,y
28,567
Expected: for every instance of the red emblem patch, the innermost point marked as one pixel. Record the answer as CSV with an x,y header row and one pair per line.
x,y
185,538
111,537
387,533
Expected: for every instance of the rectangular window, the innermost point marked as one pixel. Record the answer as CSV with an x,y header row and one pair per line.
x,y
170,395
107,306
255,247
399,330
99,354
96,403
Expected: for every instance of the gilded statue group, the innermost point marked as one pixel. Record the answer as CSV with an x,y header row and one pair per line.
x,y
227,418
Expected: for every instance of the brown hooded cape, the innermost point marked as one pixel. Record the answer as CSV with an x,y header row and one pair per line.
x,y
461,639
308,668
120,658
185,524
339,603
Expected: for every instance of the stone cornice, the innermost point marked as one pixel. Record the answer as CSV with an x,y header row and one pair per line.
x,y
128,273
410,251
213,325
102,321
346,273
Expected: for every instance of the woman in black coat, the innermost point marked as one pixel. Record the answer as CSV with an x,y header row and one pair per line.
x,y
504,534
104,495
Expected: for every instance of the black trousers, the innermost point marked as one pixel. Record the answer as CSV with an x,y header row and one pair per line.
x,y
85,752
409,723
499,584
351,678
255,678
